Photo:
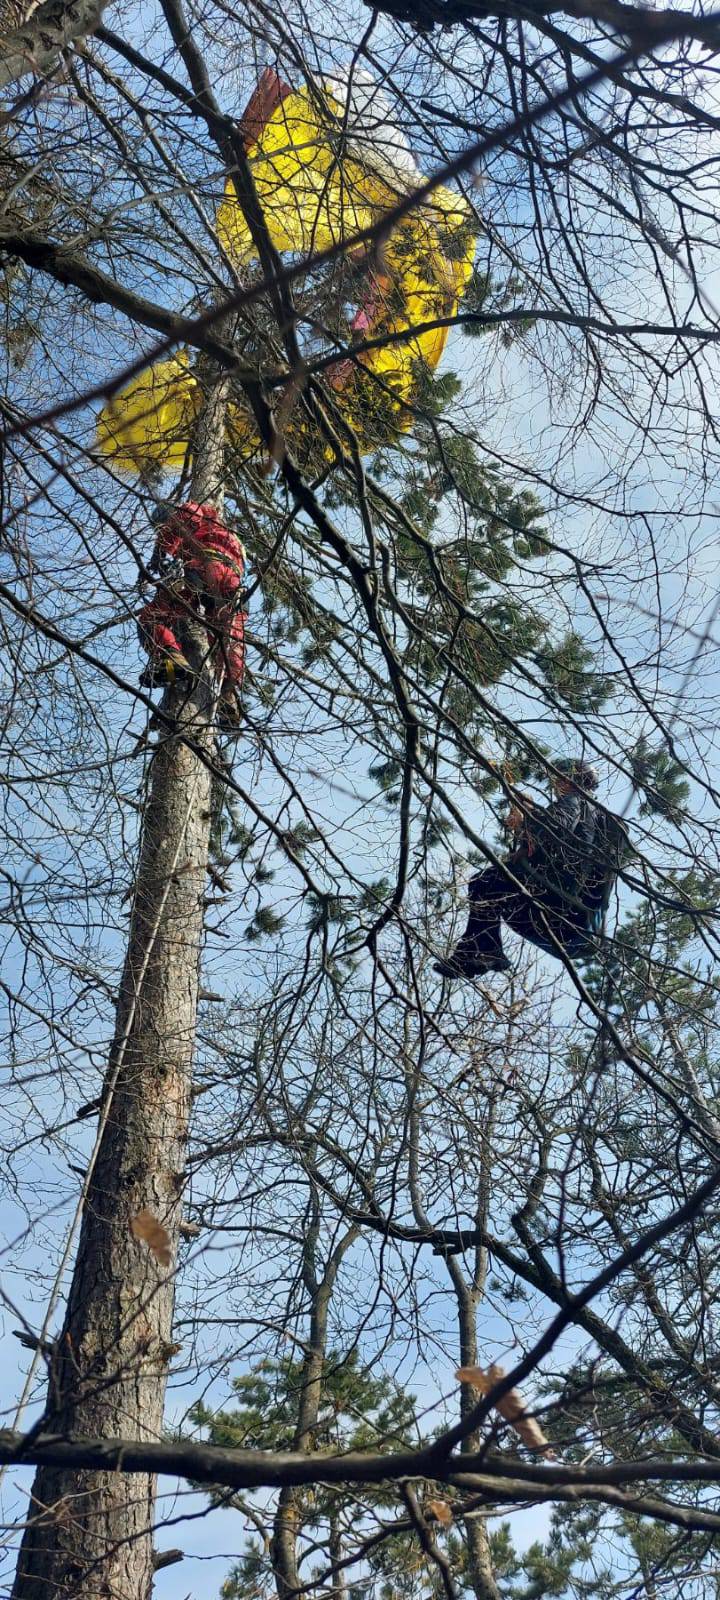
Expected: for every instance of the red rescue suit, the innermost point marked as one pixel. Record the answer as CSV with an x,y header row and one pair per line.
x,y
213,558
213,566
157,623
227,641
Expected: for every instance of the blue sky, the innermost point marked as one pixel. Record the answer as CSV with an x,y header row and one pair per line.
x,y
656,487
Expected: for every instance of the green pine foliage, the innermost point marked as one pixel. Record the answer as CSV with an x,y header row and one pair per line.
x,y
230,838
656,955
463,539
660,780
485,295
465,543
373,895
663,1002
264,923
595,1553
325,909
570,670
360,1410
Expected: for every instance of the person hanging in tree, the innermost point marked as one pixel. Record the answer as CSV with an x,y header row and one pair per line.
x,y
555,884
201,563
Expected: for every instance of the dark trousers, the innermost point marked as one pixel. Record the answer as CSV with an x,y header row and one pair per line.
x,y
494,900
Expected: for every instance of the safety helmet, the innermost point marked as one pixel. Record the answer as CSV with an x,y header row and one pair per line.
x,y
579,772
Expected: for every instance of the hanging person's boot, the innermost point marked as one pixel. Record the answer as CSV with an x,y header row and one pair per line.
x,y
166,669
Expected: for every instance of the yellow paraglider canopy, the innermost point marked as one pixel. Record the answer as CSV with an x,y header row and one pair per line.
x,y
150,421
309,201
322,173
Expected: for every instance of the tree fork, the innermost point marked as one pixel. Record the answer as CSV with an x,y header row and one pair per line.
x,y
90,1534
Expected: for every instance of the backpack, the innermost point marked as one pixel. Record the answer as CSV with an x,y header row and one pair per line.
x,y
585,873
609,850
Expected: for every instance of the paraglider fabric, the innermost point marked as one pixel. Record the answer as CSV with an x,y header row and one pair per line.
x,y
325,166
150,421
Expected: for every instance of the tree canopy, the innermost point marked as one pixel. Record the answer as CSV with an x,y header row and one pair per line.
x,y
444,355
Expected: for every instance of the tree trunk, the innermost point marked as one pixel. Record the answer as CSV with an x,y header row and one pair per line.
x,y
338,1582
286,1524
479,1561
34,36
90,1533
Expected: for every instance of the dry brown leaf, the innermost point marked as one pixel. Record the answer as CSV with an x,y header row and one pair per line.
x,y
62,1512
146,1227
440,1510
511,1406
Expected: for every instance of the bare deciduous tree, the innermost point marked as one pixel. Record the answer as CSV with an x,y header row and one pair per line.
x,y
358,1180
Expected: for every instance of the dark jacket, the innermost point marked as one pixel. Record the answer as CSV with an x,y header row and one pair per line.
x,y
555,848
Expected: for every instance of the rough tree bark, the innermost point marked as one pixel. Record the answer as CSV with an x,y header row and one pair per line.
x,y
90,1533
33,36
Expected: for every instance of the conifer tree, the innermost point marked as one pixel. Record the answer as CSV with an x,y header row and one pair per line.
x,y
438,606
